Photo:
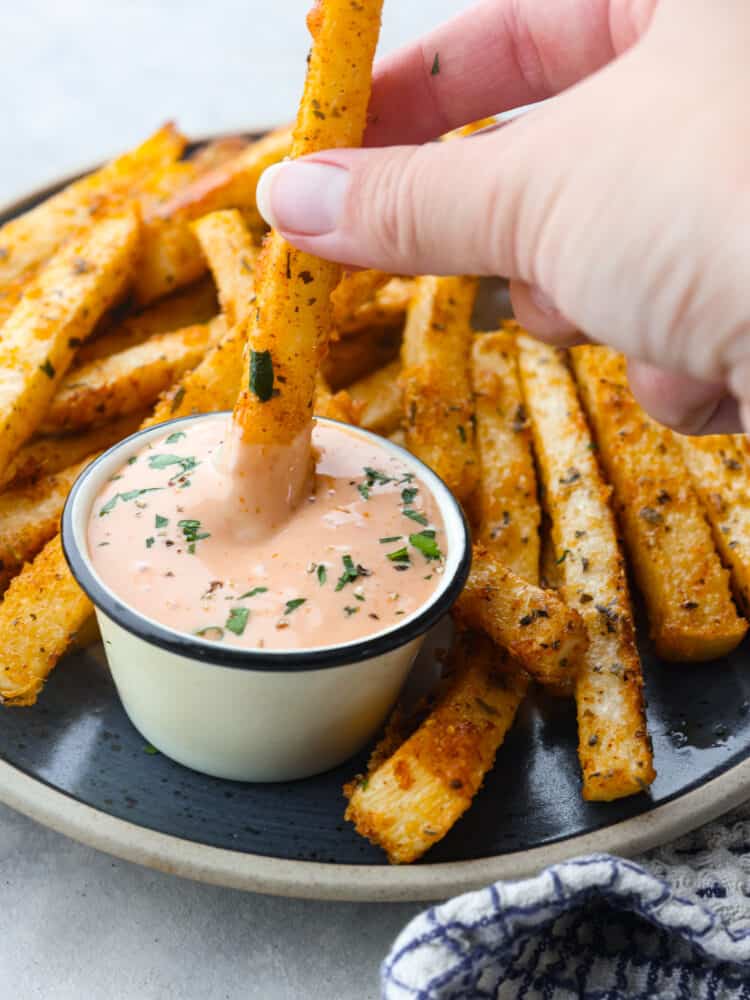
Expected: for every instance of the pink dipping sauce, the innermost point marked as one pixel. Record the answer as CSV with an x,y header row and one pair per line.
x,y
362,551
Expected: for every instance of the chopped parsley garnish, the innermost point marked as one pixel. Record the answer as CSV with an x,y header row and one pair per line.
x,y
161,522
150,749
210,632
237,620
191,529
48,368
351,572
426,543
415,515
132,460
322,574
359,597
150,541
110,505
292,605
390,538
408,494
563,557
373,477
261,375
252,593
462,433
175,437
165,461
350,611
400,555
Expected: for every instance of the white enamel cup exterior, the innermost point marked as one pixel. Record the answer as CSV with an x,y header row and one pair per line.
x,y
244,714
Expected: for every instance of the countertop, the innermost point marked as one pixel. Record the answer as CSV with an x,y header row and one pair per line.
x,y
78,82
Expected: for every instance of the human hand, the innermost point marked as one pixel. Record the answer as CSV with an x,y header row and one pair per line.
x,y
620,209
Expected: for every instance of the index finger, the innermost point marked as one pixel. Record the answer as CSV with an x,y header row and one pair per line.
x,y
497,55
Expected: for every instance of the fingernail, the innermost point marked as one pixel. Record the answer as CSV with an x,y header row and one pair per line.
x,y
302,197
541,301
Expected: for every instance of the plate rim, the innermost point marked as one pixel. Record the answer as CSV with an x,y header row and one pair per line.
x,y
63,813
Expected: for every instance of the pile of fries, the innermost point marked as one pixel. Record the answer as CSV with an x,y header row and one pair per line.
x,y
129,298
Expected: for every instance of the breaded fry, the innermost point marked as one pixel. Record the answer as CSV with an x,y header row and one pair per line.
x,y
719,470
355,357
379,397
386,308
505,500
29,517
190,306
232,257
289,330
354,290
131,380
44,456
438,401
58,311
546,637
613,743
675,563
40,614
171,256
409,801
217,152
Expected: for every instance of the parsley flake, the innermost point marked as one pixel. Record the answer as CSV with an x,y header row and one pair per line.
x,y
252,593
110,505
161,522
322,574
48,368
261,375
427,545
295,603
174,438
400,555
237,620
390,538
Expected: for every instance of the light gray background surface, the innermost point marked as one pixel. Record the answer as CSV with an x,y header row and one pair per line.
x,y
80,80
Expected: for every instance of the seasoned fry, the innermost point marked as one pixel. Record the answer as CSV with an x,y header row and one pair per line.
x,y
29,517
232,257
379,397
613,744
354,290
355,357
171,256
289,330
386,308
58,311
216,153
188,307
685,587
719,470
338,406
438,401
131,380
29,240
410,801
40,615
44,456
508,529
546,637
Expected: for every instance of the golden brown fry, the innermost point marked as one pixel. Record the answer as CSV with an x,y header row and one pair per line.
x,y
675,563
354,290
232,257
41,613
29,517
380,399
357,356
29,240
386,308
289,331
171,256
438,401
719,470
506,496
338,406
546,637
131,380
192,305
613,744
58,311
44,456
217,152
409,802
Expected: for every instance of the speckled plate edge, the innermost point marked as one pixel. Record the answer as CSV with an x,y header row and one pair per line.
x,y
357,883
346,883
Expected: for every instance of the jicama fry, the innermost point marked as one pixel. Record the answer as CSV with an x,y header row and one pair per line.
x,y
546,637
354,290
217,152
58,311
192,305
386,308
44,456
379,397
613,744
29,517
438,402
355,357
675,563
232,257
131,380
290,327
510,531
410,801
338,406
40,615
171,256
719,470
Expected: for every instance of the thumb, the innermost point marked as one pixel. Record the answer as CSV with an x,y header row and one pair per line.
x,y
442,208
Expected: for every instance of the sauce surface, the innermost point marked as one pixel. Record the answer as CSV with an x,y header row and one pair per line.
x,y
172,536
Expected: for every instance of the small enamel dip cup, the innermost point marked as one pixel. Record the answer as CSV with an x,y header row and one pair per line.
x,y
255,715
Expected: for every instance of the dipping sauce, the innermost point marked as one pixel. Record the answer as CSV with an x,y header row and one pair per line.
x,y
172,536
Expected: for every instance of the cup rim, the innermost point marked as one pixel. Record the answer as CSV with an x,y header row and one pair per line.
x,y
267,660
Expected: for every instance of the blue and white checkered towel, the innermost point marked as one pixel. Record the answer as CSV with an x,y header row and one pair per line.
x,y
675,925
